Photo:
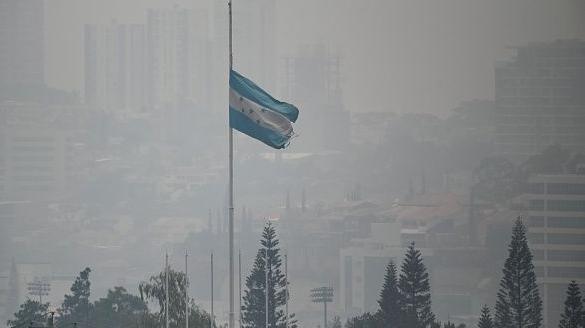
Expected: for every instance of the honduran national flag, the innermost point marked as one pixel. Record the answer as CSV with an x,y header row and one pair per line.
x,y
254,112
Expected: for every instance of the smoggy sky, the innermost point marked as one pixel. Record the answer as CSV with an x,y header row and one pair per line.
x,y
397,55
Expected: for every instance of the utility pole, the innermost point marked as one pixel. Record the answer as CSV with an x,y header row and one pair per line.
x,y
286,287
266,284
186,293
212,316
166,290
323,295
240,283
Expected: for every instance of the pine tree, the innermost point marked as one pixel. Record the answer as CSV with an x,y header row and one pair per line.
x,y
389,301
518,303
76,307
254,307
485,320
415,291
574,315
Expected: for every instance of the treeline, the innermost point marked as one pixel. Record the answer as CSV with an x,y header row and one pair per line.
x,y
119,309
405,298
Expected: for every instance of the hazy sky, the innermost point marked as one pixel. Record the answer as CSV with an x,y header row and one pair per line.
x,y
399,55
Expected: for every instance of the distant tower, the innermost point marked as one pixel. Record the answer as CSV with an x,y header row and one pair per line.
x,y
22,61
303,200
13,294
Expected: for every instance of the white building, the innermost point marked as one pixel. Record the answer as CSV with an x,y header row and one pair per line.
x,y
363,265
556,233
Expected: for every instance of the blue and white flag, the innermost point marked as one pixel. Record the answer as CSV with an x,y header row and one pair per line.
x,y
254,112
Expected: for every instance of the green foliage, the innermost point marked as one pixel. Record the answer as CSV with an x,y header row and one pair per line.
x,y
496,180
415,291
365,320
390,298
573,315
29,312
118,309
254,307
485,320
518,303
76,306
154,290
335,323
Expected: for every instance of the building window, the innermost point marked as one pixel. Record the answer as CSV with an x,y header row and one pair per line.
x,y
536,221
566,239
566,256
566,272
566,205
536,238
566,189
536,204
566,222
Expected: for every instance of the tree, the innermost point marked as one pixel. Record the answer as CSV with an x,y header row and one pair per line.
x,y
448,324
335,323
254,307
154,290
390,310
574,315
365,320
118,309
29,312
518,303
415,291
76,307
496,180
485,320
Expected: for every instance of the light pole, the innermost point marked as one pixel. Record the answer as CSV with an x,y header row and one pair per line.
x,y
323,295
40,288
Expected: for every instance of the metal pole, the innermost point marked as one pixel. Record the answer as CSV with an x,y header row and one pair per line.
x,y
286,287
231,191
266,285
240,283
212,316
186,293
325,315
166,290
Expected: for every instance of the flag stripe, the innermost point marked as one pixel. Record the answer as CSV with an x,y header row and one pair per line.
x,y
262,116
244,124
250,90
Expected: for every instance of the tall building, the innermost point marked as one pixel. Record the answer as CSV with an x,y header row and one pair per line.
x,y
21,44
556,233
169,62
540,99
37,152
115,67
312,82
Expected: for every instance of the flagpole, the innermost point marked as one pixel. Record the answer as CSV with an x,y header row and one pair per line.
x,y
231,190
186,293
166,290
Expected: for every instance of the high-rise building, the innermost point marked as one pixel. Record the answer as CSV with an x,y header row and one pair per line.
x,y
169,44
115,67
37,152
540,99
21,44
312,82
556,233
